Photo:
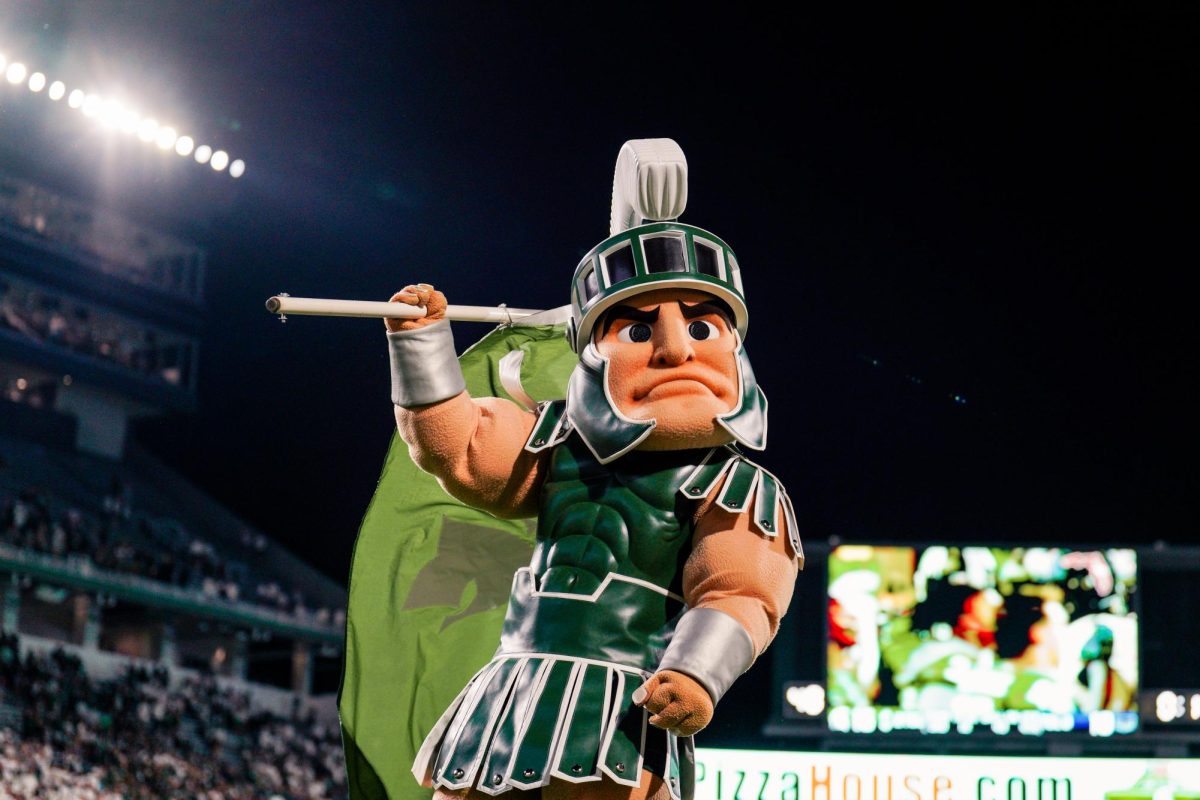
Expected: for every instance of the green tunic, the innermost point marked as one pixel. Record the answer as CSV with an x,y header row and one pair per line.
x,y
589,619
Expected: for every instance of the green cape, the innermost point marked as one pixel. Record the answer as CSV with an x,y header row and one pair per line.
x,y
429,584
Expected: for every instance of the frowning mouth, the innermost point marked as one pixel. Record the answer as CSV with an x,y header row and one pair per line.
x,y
673,388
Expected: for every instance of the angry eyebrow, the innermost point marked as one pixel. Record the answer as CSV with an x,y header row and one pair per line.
x,y
701,309
628,313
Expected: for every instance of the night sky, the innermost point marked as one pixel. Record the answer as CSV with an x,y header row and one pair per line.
x,y
964,232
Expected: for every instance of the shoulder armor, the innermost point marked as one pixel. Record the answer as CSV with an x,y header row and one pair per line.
x,y
748,487
551,426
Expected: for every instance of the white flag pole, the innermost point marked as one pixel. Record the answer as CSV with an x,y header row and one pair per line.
x,y
283,305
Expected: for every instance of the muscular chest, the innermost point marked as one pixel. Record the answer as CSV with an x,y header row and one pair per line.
x,y
625,517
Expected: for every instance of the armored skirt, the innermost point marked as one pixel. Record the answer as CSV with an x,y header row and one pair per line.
x,y
532,716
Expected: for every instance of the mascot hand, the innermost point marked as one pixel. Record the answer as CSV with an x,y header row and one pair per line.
x,y
679,704
421,294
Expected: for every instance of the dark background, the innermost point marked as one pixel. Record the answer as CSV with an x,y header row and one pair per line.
x,y
964,232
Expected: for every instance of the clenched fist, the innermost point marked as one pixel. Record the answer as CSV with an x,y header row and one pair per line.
x,y
420,294
679,704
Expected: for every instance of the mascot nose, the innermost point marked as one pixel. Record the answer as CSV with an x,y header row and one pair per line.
x,y
673,346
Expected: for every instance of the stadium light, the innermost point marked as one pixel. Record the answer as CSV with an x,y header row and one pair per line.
x,y
166,137
112,114
129,120
148,129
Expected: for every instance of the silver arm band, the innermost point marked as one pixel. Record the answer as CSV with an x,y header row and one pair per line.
x,y
424,367
710,646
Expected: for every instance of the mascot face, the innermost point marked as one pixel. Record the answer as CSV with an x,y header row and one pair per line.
x,y
672,358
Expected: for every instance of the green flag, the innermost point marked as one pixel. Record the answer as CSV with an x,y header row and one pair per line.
x,y
429,584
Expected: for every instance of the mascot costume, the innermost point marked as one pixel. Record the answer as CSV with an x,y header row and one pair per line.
x,y
664,558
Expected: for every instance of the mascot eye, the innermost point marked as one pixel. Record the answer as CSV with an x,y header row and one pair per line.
x,y
701,330
635,333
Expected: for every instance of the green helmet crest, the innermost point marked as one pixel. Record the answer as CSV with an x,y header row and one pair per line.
x,y
660,255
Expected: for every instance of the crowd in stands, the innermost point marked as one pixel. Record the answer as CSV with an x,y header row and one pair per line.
x,y
139,736
118,539
57,321
102,239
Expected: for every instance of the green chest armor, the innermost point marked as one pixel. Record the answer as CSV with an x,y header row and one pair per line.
x,y
604,581
626,518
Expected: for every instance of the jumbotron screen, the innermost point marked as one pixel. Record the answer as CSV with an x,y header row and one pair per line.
x,y
960,640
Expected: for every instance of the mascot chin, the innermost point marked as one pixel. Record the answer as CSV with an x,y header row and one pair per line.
x,y
664,559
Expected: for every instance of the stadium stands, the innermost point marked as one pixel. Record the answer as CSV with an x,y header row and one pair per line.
x,y
58,321
152,732
152,644
84,525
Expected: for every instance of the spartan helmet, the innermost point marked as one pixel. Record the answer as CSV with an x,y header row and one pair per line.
x,y
648,250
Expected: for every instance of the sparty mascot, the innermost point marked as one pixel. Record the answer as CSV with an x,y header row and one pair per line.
x,y
664,559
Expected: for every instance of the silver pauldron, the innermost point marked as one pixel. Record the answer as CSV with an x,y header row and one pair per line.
x,y
710,646
424,367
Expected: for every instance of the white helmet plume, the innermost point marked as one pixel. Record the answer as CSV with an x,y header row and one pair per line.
x,y
649,183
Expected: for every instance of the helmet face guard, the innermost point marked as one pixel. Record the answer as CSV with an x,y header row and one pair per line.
x,y
661,255
609,434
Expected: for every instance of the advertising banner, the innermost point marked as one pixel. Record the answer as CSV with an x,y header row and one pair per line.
x,y
774,775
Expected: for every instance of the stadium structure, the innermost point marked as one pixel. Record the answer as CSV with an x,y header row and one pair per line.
x,y
153,643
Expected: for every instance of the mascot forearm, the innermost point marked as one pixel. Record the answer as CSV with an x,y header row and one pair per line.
x,y
664,558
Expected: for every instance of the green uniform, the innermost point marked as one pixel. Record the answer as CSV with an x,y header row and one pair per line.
x,y
589,619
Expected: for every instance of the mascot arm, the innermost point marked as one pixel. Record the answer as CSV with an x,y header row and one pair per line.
x,y
738,584
737,571
475,448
